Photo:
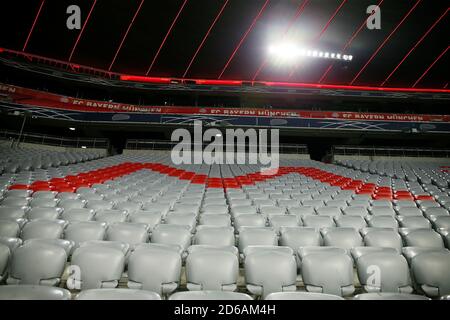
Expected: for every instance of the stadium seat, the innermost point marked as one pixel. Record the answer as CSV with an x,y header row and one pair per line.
x,y
37,263
430,271
327,272
154,268
43,229
9,228
301,296
384,272
212,235
422,238
209,295
73,215
269,271
212,268
389,296
99,266
382,237
130,233
117,294
345,238
33,292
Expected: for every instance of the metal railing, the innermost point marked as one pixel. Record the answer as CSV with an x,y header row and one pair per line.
x,y
391,151
134,144
13,137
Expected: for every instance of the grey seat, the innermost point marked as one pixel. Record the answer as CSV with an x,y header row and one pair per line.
x,y
301,296
355,222
389,296
154,268
238,210
129,207
209,295
407,212
117,294
45,194
111,216
150,219
218,220
257,237
384,272
441,222
269,271
280,221
382,237
382,211
358,252
43,203
215,209
272,210
187,219
422,238
435,212
330,273
249,220
5,253
329,211
302,211
382,222
80,214
345,238
37,263
10,212
99,266
72,204
131,233
414,222
295,237
83,231
355,211
67,245
172,234
9,228
318,221
410,252
212,269
32,292
15,202
43,229
43,213
11,242
430,271
211,235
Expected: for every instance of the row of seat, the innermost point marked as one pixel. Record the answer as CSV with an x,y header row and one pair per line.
x,y
267,269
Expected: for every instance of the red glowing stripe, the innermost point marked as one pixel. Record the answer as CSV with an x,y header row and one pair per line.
x,y
82,30
219,82
324,29
32,26
414,47
205,37
244,37
167,35
431,66
145,79
385,41
349,42
126,34
299,11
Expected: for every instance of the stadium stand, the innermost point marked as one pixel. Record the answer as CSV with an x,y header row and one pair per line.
x,y
118,217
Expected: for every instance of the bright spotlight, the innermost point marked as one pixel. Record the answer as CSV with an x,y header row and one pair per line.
x,y
289,52
72,129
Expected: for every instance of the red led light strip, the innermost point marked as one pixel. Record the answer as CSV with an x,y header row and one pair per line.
x,y
261,11
32,26
431,66
205,37
414,47
385,41
349,42
82,30
126,34
167,35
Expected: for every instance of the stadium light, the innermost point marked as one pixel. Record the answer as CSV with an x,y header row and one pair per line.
x,y
289,52
72,129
